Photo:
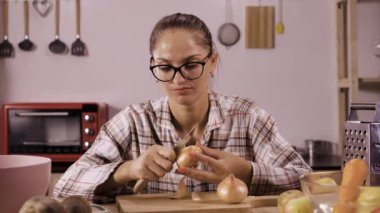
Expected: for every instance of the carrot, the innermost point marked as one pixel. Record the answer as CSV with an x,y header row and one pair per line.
x,y
354,174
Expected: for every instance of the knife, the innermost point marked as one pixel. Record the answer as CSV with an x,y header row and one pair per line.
x,y
186,141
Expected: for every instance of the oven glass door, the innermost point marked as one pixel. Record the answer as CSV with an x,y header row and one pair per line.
x,y
44,131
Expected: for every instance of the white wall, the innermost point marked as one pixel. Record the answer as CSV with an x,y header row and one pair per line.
x,y
296,81
368,35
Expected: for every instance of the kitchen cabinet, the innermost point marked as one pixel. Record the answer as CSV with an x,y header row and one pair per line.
x,y
353,78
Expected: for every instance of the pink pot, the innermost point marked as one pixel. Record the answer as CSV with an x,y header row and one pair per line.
x,y
22,177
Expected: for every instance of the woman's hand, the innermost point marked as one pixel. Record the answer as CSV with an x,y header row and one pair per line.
x,y
221,163
151,165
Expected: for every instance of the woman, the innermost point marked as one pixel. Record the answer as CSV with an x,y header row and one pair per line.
x,y
235,135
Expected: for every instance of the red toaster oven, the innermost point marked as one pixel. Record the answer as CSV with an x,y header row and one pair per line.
x,y
60,131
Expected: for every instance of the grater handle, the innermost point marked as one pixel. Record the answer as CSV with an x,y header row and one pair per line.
x,y
362,106
354,107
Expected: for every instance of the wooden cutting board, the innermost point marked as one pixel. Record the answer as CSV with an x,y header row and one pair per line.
x,y
206,202
259,27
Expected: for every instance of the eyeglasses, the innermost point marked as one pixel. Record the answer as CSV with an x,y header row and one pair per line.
x,y
190,70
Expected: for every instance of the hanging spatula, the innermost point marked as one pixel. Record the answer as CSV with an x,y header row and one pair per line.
x,y
26,44
78,48
6,48
57,46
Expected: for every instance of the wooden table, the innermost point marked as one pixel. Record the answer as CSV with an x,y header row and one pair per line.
x,y
113,209
135,203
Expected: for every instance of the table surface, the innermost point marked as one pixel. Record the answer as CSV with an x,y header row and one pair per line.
x,y
328,162
111,208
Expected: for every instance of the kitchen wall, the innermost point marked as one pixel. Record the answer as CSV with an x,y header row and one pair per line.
x,y
296,81
368,37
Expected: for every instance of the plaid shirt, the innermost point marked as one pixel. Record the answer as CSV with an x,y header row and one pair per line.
x,y
234,125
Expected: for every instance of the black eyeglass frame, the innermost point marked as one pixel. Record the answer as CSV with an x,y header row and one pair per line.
x,y
178,69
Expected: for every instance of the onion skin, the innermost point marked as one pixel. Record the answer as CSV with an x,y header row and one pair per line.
x,y
232,190
184,159
182,190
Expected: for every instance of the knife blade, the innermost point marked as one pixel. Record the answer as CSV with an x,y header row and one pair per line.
x,y
186,141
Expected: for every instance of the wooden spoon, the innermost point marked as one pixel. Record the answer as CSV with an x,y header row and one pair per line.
x,y
26,44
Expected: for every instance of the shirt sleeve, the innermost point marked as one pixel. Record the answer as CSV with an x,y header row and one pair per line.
x,y
277,167
96,165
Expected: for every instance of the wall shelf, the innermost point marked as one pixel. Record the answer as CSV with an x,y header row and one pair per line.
x,y
367,82
344,83
371,80
349,82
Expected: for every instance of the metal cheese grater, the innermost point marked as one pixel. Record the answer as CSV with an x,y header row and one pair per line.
x,y
362,138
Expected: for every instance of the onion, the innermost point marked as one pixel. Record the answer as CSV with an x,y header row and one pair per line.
x,y
232,190
41,203
76,203
184,159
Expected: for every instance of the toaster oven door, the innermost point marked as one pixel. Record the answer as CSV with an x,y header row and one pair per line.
x,y
44,131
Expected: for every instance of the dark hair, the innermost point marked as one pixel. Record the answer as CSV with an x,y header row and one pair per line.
x,y
182,21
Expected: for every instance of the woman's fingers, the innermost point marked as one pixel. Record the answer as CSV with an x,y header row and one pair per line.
x,y
159,165
147,173
211,162
157,170
200,175
155,163
167,153
151,176
211,152
165,164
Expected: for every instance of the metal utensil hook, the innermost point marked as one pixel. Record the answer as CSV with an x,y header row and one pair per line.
x,y
228,10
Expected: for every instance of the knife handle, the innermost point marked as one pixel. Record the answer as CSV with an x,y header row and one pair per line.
x,y
140,185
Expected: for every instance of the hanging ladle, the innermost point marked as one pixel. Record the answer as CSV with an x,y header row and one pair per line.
x,y
6,48
78,48
26,44
280,24
57,46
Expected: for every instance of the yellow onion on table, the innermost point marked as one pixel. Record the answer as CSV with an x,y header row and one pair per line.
x,y
76,203
184,159
40,203
232,190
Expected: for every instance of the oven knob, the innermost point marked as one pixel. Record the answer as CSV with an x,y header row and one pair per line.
x,y
87,144
89,131
89,118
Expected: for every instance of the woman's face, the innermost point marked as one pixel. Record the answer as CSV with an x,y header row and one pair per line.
x,y
176,47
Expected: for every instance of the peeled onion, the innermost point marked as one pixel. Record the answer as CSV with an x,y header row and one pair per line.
x,y
184,159
232,190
